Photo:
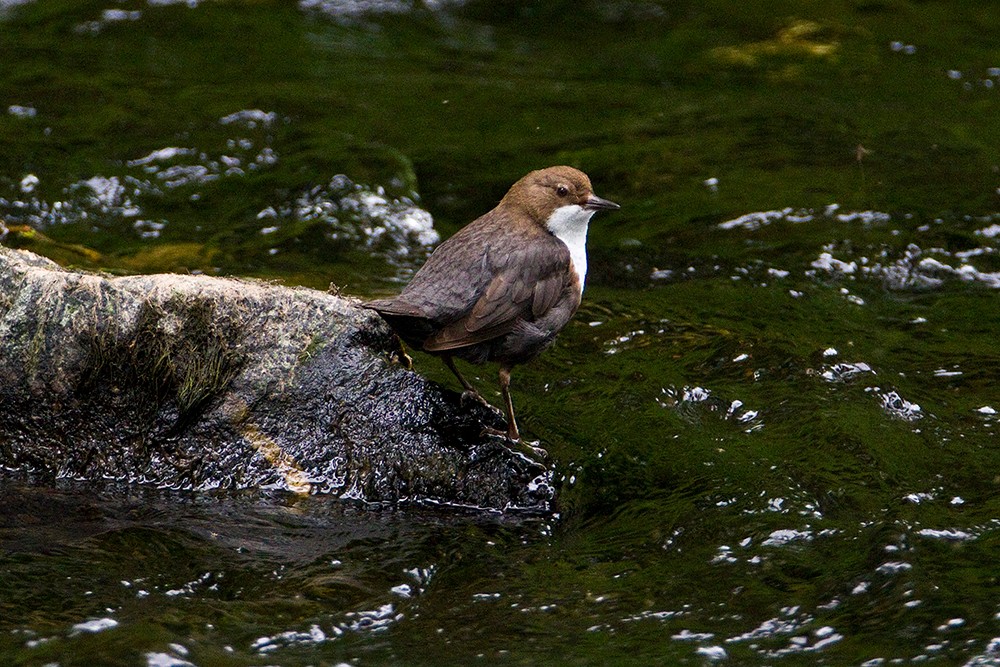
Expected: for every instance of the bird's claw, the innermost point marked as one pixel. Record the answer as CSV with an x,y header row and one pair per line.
x,y
518,446
473,395
540,453
403,358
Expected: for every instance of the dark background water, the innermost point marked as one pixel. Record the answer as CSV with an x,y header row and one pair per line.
x,y
773,420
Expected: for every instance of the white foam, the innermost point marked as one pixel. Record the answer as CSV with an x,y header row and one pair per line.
x,y
96,625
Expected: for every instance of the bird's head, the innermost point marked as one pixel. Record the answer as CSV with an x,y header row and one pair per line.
x,y
563,192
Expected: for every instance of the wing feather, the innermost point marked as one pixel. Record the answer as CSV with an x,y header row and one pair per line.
x,y
394,307
525,285
546,293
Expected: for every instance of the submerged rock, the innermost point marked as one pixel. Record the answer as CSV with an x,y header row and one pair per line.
x,y
198,382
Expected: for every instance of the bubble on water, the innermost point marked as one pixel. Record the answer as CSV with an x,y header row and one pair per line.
x,y
724,555
29,183
932,267
395,229
391,228
827,262
154,659
314,635
773,627
950,534
893,567
402,590
163,3
951,624
614,344
149,229
752,221
655,616
250,118
348,11
916,268
486,596
845,371
161,155
712,652
695,394
96,625
690,402
896,406
108,16
191,587
866,218
21,111
990,232
113,15
780,538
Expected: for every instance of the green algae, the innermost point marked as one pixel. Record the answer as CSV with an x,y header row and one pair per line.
x,y
797,105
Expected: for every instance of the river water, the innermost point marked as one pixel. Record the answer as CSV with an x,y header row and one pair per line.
x,y
773,421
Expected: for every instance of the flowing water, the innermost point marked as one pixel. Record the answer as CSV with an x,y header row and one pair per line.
x,y
773,421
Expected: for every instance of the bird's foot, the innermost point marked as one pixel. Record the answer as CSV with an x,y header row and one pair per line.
x,y
470,395
403,358
515,445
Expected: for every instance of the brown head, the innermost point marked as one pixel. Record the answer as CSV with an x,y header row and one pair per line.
x,y
542,192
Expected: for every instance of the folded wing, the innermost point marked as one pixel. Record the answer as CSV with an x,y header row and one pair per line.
x,y
525,284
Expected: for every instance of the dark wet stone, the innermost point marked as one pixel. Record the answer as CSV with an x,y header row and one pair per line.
x,y
198,382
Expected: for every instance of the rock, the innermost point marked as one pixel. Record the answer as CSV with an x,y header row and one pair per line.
x,y
195,382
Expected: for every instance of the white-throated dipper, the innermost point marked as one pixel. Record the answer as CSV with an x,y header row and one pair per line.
x,y
503,286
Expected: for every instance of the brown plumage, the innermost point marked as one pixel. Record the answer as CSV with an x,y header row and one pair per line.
x,y
503,286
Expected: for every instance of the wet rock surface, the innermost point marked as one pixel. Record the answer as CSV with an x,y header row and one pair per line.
x,y
197,382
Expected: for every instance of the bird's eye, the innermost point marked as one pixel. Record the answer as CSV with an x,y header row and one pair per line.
x,y
562,190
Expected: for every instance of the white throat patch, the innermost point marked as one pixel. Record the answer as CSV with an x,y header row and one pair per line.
x,y
569,225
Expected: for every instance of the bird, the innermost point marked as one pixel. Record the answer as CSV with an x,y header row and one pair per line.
x,y
502,287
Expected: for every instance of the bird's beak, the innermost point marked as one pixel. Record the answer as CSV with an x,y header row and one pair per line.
x,y
595,203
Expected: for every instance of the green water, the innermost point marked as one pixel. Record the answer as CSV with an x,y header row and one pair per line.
x,y
774,433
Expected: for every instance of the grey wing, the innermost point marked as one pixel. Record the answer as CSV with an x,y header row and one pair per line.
x,y
525,284
452,279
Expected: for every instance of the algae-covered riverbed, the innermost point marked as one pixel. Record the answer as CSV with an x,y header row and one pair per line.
x,y
773,421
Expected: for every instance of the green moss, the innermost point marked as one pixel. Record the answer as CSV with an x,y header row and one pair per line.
x,y
171,258
772,103
175,358
66,254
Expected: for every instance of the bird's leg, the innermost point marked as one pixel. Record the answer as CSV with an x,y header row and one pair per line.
x,y
469,391
404,358
399,354
512,433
